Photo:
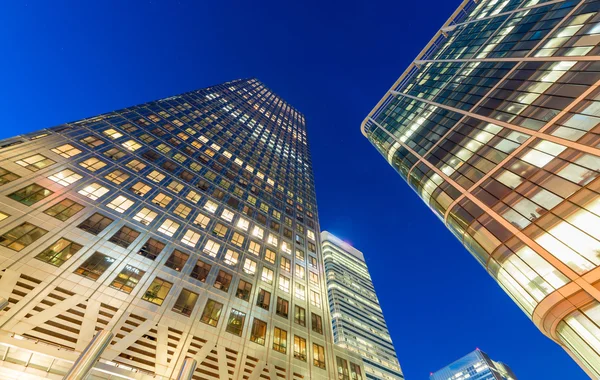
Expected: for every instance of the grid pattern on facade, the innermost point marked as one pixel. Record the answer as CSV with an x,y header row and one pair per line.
x,y
476,365
495,126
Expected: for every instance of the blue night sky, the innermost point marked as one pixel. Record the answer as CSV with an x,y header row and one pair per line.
x,y
63,61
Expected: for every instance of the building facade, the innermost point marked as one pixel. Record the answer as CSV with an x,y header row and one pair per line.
x,y
495,126
357,318
476,365
187,227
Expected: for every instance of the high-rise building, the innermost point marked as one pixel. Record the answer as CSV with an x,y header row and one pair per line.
x,y
476,365
495,126
357,318
184,227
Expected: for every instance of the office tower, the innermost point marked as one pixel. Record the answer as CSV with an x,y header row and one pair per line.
x,y
476,365
176,226
495,126
357,318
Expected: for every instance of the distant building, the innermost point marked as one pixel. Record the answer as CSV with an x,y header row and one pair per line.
x,y
358,322
474,366
496,126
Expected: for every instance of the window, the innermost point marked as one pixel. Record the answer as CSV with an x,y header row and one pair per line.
x,y
94,266
21,236
283,307
65,177
120,204
190,238
270,256
127,279
145,216
157,291
177,260
355,371
136,165
202,221
3,216
243,223
267,275
272,239
223,281
185,302
315,299
231,257
66,150
182,210
300,272
285,264
211,313
300,292
280,340
316,323
93,191
284,283
318,356
264,299
313,277
299,315
285,247
117,177
235,324
258,232
35,162
114,154
155,176
211,248
92,141
124,236
299,348
131,145
95,223
6,176
259,332
151,249
168,227
193,196
220,230
59,252
250,266
30,194
342,368
313,262
200,271
243,290
210,206
64,209
92,164
140,188
112,133
254,248
300,255
162,200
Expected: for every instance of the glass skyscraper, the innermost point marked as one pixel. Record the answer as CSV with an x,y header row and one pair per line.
x,y
358,322
495,125
476,365
185,227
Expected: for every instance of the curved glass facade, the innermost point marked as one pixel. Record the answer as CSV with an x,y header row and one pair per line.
x,y
496,126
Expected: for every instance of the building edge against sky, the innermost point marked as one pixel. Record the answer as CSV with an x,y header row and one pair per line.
x,y
476,365
185,227
357,319
495,126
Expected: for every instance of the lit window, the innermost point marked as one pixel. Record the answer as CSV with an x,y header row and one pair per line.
x,y
117,177
243,224
285,247
95,266
63,210
259,332
175,186
223,281
6,176
315,299
140,189
231,257
318,356
258,232
285,264
211,313
127,279
131,145
311,235
93,191
250,266
157,291
66,150
31,194
300,291
300,272
168,227
254,248
177,260
193,196
201,220
272,239
267,275
145,216
210,206
284,283
313,277
35,162
235,324
190,238
185,302
93,164
270,256
280,340
237,239
136,165
92,141
120,204
211,248
162,200
227,215
299,348
155,176
65,177
59,252
112,133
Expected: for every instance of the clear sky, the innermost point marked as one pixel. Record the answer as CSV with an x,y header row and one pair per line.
x,y
65,60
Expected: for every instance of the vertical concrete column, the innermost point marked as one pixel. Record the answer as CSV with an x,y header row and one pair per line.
x,y
89,356
187,369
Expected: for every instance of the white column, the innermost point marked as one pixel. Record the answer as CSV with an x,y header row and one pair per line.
x,y
187,369
89,356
